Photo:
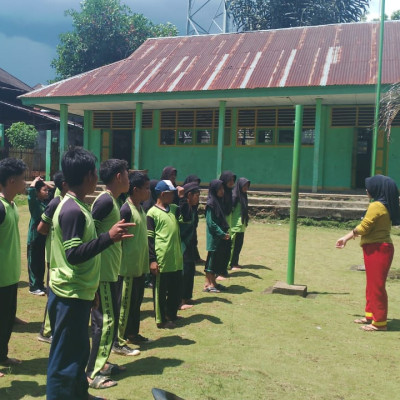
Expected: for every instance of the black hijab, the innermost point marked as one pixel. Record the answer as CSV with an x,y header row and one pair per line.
x,y
215,203
227,205
167,172
153,196
384,189
239,196
192,178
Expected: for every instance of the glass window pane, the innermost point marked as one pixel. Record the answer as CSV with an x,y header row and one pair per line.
x,y
265,136
246,137
185,137
167,137
286,136
308,136
204,136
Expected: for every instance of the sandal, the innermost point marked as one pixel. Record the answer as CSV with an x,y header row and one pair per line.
x,y
211,289
362,321
102,382
373,328
112,369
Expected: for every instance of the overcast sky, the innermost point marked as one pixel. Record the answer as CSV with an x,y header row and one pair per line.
x,y
29,29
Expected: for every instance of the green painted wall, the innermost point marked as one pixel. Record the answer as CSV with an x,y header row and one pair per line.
x,y
394,155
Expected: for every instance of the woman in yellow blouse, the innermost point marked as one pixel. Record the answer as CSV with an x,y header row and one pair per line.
x,y
378,250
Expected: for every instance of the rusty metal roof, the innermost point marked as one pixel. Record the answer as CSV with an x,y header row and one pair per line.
x,y
329,55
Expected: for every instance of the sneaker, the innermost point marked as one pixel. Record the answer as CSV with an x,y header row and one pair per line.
x,y
37,292
139,339
45,339
125,350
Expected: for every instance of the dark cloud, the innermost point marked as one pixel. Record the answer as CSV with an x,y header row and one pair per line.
x,y
38,24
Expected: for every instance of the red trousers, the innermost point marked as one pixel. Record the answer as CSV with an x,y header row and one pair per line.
x,y
377,259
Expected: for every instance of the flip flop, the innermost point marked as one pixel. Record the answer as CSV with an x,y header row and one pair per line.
x,y
112,369
211,289
373,328
102,382
362,321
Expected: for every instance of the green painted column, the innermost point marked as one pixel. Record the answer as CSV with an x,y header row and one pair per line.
x,y
138,135
295,194
318,148
63,129
48,155
2,136
378,90
221,130
87,124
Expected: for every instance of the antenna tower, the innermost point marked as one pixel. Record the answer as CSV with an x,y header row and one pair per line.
x,y
207,16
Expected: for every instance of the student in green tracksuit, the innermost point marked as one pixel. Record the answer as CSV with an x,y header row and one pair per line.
x,y
44,228
38,193
218,237
240,219
135,262
12,182
105,212
74,278
165,252
228,179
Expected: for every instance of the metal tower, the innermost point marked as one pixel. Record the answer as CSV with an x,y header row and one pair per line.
x,y
207,16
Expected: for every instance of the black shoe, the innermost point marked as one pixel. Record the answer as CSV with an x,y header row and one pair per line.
x,y
139,339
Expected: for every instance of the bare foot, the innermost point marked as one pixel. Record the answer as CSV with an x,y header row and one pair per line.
x,y
221,278
1,374
236,268
20,321
185,306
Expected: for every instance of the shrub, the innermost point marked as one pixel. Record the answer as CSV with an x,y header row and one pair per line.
x,y
22,136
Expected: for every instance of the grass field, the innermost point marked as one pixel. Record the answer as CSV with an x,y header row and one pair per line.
x,y
245,344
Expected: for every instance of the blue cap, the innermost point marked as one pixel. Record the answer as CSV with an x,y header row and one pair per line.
x,y
165,186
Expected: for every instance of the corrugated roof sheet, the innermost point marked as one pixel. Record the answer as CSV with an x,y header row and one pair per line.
x,y
329,55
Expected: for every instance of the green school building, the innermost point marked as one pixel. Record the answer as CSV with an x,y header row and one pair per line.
x,y
209,103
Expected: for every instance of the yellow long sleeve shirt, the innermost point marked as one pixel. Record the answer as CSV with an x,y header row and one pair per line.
x,y
376,225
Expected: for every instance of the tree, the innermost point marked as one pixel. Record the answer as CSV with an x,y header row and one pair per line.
x,y
395,15
22,136
104,31
251,15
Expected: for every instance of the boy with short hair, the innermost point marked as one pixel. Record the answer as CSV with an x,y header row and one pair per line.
x,y
44,228
12,182
165,252
105,212
135,262
74,277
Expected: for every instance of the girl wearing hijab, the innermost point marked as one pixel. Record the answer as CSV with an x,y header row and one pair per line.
x,y
240,219
196,179
218,237
228,179
377,246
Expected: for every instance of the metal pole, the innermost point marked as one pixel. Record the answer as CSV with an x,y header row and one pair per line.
x,y
48,155
378,91
63,143
295,194
138,135
221,130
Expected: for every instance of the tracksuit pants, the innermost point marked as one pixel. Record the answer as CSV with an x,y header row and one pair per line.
x,y
8,309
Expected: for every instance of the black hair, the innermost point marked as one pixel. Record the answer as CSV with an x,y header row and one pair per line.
x,y
137,179
110,168
76,163
58,179
10,167
39,184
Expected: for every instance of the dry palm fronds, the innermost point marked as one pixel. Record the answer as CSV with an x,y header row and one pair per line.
x,y
389,107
